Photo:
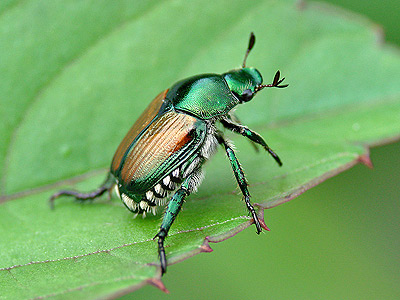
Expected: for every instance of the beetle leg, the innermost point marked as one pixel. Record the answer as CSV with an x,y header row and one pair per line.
x,y
241,179
234,119
106,186
250,134
174,206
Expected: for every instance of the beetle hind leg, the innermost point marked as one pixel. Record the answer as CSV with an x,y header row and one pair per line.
x,y
106,186
174,206
172,211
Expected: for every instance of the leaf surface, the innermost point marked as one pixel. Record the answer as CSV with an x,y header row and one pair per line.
x,y
78,74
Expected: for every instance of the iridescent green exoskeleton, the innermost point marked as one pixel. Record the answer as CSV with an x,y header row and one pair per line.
x,y
163,152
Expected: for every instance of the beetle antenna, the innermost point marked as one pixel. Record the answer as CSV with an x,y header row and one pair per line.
x,y
252,41
275,83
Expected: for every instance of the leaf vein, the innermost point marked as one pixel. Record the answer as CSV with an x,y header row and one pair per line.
x,y
119,247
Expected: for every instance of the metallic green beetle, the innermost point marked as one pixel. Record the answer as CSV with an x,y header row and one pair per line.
x,y
167,146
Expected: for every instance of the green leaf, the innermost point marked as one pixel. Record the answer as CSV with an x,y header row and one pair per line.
x,y
76,75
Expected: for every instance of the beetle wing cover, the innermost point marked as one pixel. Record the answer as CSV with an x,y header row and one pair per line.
x,y
145,118
169,140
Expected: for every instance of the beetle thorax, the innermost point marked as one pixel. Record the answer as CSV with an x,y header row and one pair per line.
x,y
204,96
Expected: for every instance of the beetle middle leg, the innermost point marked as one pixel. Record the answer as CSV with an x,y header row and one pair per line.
x,y
106,186
241,180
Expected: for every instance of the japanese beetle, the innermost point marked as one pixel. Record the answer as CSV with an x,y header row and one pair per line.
x,y
165,149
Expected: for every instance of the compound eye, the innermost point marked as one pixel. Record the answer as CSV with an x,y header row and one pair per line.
x,y
247,95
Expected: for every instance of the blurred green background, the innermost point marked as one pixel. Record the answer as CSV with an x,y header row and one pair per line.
x,y
340,240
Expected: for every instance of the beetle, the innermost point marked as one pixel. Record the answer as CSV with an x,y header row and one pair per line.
x,y
165,149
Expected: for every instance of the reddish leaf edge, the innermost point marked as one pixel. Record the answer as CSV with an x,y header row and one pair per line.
x,y
205,246
291,194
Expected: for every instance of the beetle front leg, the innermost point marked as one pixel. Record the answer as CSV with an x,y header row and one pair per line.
x,y
174,206
250,134
235,119
241,180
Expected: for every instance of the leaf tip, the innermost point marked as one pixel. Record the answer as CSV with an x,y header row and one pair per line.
x,y
263,225
260,215
158,284
366,160
206,246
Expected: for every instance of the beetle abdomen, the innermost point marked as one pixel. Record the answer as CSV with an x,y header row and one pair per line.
x,y
156,196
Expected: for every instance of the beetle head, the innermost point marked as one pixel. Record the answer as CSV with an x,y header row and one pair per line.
x,y
246,82
243,82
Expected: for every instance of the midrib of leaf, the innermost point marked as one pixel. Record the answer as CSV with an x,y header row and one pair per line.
x,y
97,283
75,257
110,250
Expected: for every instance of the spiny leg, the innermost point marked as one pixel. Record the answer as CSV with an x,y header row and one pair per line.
x,y
241,179
253,136
234,119
174,206
106,186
